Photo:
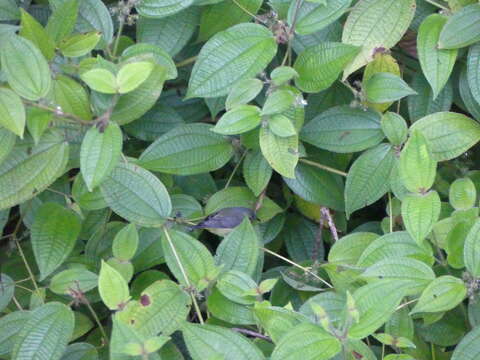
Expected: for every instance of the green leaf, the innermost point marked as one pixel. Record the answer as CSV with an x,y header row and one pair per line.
x,y
77,279
240,250
468,348
7,139
368,177
256,171
194,257
54,234
350,247
243,92
344,129
62,21
282,75
131,76
113,288
395,128
232,55
278,101
25,67
235,286
100,153
386,87
79,44
240,119
280,152
38,121
229,311
100,80
7,290
419,213
137,195
444,293
125,243
281,126
315,16
417,167
471,250
319,66
33,31
187,150
11,324
31,170
9,10
462,28
437,64
12,112
84,198
376,24
77,351
161,8
462,194
277,321
71,97
308,339
473,66
449,134
208,341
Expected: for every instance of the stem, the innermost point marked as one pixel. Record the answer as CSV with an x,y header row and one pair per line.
x,y
433,351
318,238
288,54
97,320
383,351
119,34
252,333
434,3
17,304
248,12
235,169
25,288
331,224
27,266
58,112
390,211
324,167
297,265
187,61
179,263
401,306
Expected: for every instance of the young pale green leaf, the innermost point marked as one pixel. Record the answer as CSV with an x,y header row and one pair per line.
x,y
280,152
54,234
113,288
100,80
124,268
240,250
46,333
277,321
8,289
77,279
385,87
229,311
62,21
376,24
187,150
215,342
236,286
243,92
350,247
100,153
132,75
161,8
315,16
344,129
278,101
462,28
417,166
38,121
12,112
443,294
282,75
71,97
368,178
462,194
194,259
25,67
152,53
437,64
391,340
471,250
256,171
448,134
11,325
137,195
32,30
240,119
473,67
319,66
232,55
125,243
395,128
79,44
310,340
468,348
419,213
281,126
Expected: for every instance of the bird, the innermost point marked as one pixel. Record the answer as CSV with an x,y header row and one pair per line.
x,y
224,220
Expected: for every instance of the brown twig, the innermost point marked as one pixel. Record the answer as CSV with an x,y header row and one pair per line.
x,y
331,224
252,333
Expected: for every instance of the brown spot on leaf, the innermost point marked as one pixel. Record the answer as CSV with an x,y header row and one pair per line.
x,y
145,300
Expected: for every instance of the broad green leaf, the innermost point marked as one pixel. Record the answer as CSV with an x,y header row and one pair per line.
x,y
419,213
240,250
38,121
131,76
395,128
149,52
46,333
280,152
350,247
54,234
313,342
473,66
197,264
12,112
314,16
11,324
462,28
137,195
462,194
282,75
442,294
319,66
229,311
9,10
277,321
208,341
32,30
125,243
77,279
385,87
100,80
278,101
113,288
232,55
368,178
243,92
317,186
27,172
71,97
344,129
25,67
417,167
376,24
7,139
161,8
84,198
437,64
256,171
240,119
100,153
449,134
62,21
235,286
281,126
7,290
80,351
468,348
161,307
400,324
471,251
187,150
79,44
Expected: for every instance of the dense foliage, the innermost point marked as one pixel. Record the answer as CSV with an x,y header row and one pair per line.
x,y
239,179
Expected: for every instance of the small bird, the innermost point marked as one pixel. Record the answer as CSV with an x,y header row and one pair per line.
x,y
224,220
